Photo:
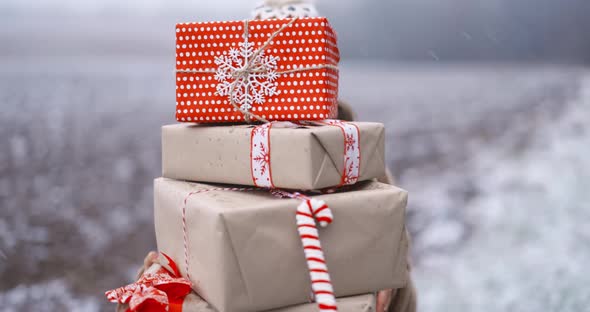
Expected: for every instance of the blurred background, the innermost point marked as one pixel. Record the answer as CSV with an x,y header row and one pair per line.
x,y
487,106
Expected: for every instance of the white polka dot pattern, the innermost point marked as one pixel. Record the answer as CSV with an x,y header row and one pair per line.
x,y
305,95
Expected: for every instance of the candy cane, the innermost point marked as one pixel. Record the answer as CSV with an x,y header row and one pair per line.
x,y
308,212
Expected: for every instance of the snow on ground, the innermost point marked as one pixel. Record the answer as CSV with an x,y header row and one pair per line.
x,y
527,250
50,296
494,157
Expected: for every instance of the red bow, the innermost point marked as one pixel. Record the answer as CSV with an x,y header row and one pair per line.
x,y
154,291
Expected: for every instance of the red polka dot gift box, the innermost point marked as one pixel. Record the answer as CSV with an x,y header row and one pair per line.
x,y
266,70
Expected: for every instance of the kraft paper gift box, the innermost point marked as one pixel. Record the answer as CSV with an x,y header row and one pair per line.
x,y
280,69
244,252
360,303
304,158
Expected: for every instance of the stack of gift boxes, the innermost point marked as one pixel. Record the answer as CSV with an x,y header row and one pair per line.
x,y
275,206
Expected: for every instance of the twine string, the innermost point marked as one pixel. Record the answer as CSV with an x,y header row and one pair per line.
x,y
184,219
251,68
306,214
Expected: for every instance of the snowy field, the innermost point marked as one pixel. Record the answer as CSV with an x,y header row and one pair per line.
x,y
495,158
496,163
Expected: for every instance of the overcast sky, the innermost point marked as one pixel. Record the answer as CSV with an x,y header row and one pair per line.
x,y
137,7
231,8
536,30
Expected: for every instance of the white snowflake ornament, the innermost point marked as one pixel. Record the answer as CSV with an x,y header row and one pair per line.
x,y
246,75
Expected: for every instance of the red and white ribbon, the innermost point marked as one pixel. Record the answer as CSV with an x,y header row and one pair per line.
x,y
352,150
307,213
260,151
260,156
157,290
184,229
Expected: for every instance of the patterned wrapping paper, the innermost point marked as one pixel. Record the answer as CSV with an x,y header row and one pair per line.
x,y
208,57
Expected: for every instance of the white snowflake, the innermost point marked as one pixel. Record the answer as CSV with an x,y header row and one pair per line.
x,y
246,76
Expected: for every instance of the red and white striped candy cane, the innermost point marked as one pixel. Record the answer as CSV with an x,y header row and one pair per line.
x,y
308,212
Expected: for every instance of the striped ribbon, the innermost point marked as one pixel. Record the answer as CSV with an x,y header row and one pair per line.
x,y
184,229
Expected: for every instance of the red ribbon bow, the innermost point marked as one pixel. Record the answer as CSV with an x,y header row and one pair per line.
x,y
157,290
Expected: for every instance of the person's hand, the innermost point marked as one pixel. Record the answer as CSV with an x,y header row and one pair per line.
x,y
151,258
384,300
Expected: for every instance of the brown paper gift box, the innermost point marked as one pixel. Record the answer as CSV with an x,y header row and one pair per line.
x,y
245,253
305,158
360,303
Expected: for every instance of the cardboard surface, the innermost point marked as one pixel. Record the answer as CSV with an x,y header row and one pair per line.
x,y
301,158
245,253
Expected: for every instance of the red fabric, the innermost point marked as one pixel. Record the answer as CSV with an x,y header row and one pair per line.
x,y
154,292
176,305
148,299
172,264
